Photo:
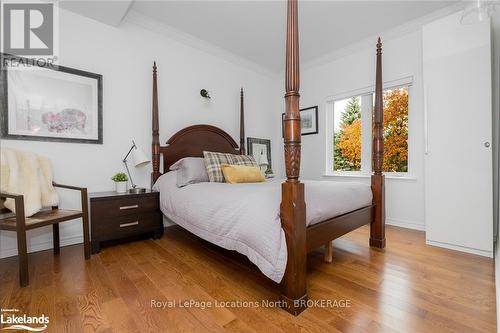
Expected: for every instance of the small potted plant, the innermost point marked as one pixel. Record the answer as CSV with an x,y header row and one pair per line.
x,y
121,181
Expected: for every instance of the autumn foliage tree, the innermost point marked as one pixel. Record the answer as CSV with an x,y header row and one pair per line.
x,y
396,130
347,141
350,143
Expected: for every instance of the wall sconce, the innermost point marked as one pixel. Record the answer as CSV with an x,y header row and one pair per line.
x,y
204,93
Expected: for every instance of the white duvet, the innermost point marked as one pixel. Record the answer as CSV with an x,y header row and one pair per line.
x,y
245,217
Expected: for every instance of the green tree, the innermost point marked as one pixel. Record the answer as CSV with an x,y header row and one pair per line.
x,y
341,163
352,111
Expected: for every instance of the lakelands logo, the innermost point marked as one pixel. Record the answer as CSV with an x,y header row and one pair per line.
x,y
10,319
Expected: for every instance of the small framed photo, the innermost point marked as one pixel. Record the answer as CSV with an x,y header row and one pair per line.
x,y
260,149
308,121
50,103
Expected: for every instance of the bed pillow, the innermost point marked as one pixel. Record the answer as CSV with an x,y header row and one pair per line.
x,y
213,162
235,174
190,170
247,160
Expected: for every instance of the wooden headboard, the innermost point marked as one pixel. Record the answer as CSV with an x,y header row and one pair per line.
x,y
191,141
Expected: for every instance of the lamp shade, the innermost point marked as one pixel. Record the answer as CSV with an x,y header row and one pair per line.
x,y
139,158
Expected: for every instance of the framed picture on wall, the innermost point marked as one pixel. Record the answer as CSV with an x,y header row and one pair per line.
x,y
308,121
49,103
260,149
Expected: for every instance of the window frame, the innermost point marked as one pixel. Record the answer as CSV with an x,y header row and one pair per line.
x,y
366,130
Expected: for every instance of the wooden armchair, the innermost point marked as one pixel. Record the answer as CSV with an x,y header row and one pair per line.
x,y
20,224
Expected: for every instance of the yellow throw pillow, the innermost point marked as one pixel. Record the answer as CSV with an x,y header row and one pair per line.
x,y
234,174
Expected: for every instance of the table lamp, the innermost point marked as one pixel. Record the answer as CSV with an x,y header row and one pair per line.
x,y
138,159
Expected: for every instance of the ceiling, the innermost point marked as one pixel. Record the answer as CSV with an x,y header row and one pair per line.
x,y
109,12
255,30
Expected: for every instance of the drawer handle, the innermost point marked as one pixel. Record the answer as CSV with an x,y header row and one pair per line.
x,y
129,207
124,225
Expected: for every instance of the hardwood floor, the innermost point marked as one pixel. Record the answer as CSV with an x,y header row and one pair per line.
x,y
410,287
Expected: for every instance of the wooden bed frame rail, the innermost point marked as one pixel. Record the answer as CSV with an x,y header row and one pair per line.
x,y
193,140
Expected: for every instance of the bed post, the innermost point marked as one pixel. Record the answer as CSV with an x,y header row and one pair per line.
x,y
293,207
242,124
155,147
377,228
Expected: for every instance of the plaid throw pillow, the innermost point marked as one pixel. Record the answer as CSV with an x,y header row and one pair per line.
x,y
247,160
214,160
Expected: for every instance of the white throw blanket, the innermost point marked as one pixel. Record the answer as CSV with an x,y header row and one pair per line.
x,y
30,175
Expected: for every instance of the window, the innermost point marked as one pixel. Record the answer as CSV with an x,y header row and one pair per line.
x,y
350,131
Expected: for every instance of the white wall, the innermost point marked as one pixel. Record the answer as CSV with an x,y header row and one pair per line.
x,y
124,56
496,109
402,57
496,146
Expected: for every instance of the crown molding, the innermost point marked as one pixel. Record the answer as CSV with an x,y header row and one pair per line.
x,y
138,19
135,18
394,33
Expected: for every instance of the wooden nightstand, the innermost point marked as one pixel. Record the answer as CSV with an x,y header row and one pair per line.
x,y
121,216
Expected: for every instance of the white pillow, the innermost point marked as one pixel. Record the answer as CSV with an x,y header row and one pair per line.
x,y
190,170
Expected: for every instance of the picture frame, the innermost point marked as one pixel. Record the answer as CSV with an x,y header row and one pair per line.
x,y
49,103
258,147
308,121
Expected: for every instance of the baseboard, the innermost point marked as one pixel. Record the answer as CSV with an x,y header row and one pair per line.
x,y
72,240
405,224
167,222
478,252
46,245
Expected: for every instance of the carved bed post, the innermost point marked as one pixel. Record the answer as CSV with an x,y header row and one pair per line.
x,y
293,207
377,228
155,147
242,124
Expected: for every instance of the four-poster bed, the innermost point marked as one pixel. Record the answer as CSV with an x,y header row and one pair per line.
x,y
300,238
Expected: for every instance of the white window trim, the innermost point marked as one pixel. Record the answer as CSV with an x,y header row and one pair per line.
x,y
351,174
406,81
366,147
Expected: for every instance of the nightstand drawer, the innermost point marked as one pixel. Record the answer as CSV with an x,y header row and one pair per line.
x,y
117,227
124,206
